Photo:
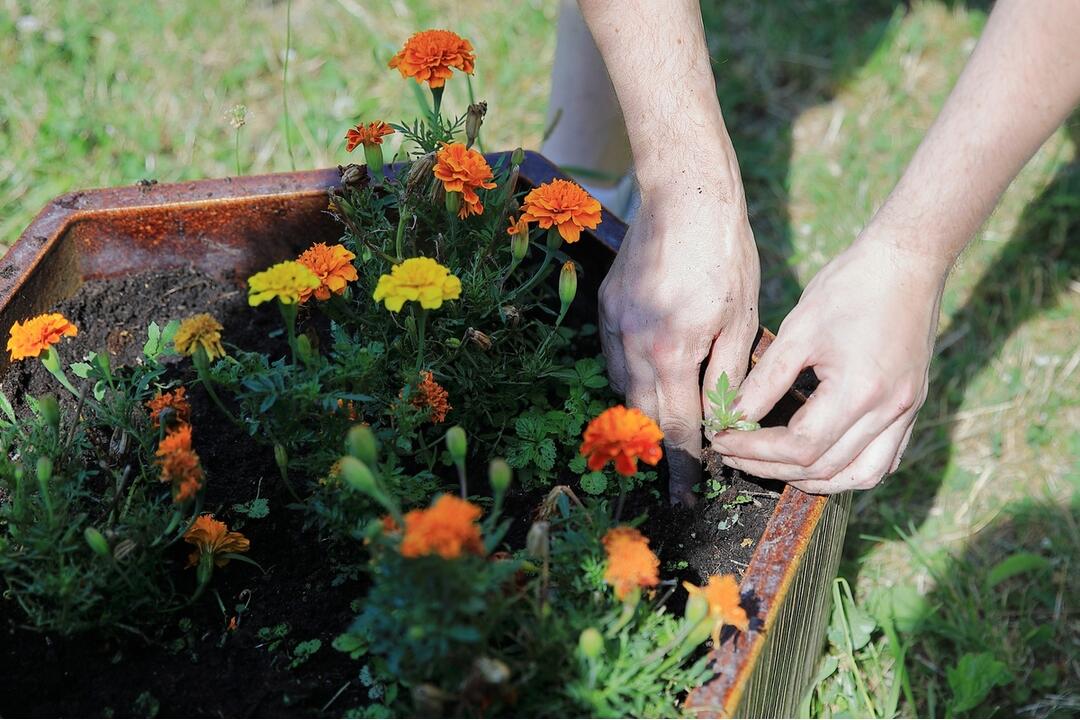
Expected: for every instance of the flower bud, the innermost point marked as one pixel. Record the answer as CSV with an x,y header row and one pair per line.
x,y
359,476
420,172
474,118
697,607
50,410
517,157
567,283
591,642
519,242
362,444
97,542
44,469
499,475
538,540
453,202
303,348
457,444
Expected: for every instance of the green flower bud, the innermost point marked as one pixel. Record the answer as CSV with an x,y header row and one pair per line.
x,y
591,642
97,542
519,245
44,469
567,283
362,444
517,157
499,475
303,348
697,607
453,202
50,410
374,158
359,476
457,444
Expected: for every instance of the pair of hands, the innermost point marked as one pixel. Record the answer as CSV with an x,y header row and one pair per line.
x,y
682,294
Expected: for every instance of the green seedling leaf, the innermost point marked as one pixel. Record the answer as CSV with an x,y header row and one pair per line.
x,y
255,509
9,411
81,369
1016,564
725,416
972,679
353,644
594,483
303,652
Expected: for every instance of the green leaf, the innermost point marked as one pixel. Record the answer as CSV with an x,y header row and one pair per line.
x,y
1016,564
577,464
594,483
972,679
545,454
352,643
255,509
5,406
81,369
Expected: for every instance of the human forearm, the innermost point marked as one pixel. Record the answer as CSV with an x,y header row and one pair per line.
x,y
658,61
1019,85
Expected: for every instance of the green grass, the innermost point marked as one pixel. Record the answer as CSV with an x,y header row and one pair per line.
x,y
826,101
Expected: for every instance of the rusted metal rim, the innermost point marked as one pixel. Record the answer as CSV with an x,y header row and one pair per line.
x,y
22,292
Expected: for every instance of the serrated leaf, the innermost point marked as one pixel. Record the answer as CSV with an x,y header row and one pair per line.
x,y
545,454
594,483
577,464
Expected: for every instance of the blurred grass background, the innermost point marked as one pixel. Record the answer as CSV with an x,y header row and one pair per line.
x,y
963,565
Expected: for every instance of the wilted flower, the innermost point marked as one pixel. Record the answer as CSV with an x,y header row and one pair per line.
x,y
430,394
463,171
447,529
370,134
287,282
623,435
332,264
630,562
478,338
431,55
562,204
174,400
34,336
213,538
199,331
417,279
474,118
725,608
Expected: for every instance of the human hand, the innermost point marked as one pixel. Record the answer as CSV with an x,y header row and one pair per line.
x,y
866,324
683,290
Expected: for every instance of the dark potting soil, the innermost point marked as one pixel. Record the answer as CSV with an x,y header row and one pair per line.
x,y
194,664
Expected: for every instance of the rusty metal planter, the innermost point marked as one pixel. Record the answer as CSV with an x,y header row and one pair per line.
x,y
235,226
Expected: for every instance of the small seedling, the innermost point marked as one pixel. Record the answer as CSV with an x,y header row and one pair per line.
x,y
724,414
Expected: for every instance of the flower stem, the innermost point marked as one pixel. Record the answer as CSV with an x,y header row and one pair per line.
x,y
399,238
202,368
421,325
51,360
236,149
436,95
288,314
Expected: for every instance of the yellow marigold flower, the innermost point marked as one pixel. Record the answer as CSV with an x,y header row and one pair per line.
x,y
631,564
418,279
197,331
463,170
332,264
429,56
38,334
447,529
623,435
213,537
563,204
287,282
725,603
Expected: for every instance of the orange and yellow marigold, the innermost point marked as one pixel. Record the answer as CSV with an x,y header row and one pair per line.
x,y
562,204
370,134
34,336
174,400
199,331
213,538
624,435
432,55
630,562
447,529
463,170
725,604
180,464
332,265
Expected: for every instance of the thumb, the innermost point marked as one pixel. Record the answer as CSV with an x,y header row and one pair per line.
x,y
771,378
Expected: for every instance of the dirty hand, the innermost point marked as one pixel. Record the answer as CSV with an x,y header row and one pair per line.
x,y
683,291
866,325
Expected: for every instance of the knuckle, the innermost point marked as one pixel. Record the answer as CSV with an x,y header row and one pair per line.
x,y
677,431
906,396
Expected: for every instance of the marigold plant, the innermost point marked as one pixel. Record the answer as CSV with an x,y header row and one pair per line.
x,y
447,529
199,331
332,265
564,205
630,562
465,171
180,465
624,435
370,134
431,56
214,539
420,280
286,282
433,396
725,608
34,336
174,400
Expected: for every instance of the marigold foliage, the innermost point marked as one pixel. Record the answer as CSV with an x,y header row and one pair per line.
x,y
332,264
624,435
630,562
463,170
213,537
32,337
447,529
420,280
564,205
199,331
431,56
286,282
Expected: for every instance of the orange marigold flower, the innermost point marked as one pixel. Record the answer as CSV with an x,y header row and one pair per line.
x,y
213,537
431,55
430,394
463,170
370,134
447,529
349,409
623,435
725,608
521,225
34,336
175,400
631,564
563,204
332,264
180,464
